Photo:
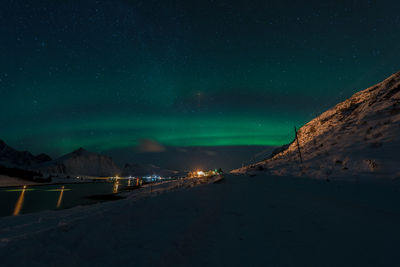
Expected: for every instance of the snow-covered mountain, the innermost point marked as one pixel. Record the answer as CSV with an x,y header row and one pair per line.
x,y
82,162
10,157
132,169
358,137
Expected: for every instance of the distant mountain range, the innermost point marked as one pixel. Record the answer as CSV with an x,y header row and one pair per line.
x,y
147,169
79,162
82,162
9,157
358,137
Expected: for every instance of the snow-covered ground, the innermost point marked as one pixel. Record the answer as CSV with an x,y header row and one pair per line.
x,y
240,221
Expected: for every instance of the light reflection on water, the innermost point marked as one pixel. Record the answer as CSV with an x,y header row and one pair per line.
x,y
116,185
20,190
20,202
60,197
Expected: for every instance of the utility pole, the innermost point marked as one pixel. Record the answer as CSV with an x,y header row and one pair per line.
x,y
298,145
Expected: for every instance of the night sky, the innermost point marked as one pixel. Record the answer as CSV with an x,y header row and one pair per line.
x,y
149,76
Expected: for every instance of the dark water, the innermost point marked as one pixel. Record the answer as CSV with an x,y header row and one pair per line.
x,y
15,201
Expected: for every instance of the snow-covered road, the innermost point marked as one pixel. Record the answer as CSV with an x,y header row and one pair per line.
x,y
241,221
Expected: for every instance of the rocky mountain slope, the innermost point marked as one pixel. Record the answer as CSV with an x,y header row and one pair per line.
x,y
358,137
82,162
10,157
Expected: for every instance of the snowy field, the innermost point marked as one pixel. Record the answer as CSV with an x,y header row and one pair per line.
x,y
240,221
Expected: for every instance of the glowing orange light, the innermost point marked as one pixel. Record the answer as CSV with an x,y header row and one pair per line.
x,y
60,197
115,189
20,201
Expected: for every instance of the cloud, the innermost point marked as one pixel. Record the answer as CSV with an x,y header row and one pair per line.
x,y
210,153
149,145
181,149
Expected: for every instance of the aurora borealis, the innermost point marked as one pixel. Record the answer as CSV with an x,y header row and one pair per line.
x,y
105,75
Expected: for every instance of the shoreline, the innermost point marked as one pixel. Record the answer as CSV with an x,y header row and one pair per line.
x,y
44,184
15,182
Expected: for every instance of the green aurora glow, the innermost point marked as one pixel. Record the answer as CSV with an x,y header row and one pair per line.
x,y
105,75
